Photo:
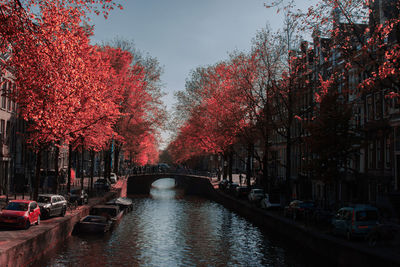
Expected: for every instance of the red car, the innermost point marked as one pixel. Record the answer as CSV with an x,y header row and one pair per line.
x,y
20,214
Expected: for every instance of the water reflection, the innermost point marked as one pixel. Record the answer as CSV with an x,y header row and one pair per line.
x,y
169,230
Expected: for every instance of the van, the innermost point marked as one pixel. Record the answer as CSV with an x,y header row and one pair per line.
x,y
355,221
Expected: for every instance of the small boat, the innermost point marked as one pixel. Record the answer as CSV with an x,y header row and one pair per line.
x,y
124,203
93,224
111,212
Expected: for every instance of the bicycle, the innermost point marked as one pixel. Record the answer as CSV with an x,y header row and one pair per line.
x,y
71,205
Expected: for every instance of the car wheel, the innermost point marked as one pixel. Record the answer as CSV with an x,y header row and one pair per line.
x,y
38,220
63,211
27,224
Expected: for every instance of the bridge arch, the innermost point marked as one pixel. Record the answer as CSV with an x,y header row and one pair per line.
x,y
192,184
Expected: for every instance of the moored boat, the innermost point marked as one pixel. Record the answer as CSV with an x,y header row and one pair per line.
x,y
94,224
111,212
125,204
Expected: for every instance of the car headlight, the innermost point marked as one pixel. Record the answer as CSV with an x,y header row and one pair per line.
x,y
47,206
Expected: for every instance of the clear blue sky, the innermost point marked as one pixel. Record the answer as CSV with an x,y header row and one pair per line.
x,y
185,34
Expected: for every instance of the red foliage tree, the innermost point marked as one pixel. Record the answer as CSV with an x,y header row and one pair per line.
x,y
53,64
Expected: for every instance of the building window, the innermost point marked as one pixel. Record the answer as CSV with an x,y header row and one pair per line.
x,y
387,101
387,152
370,108
9,97
370,155
3,94
378,154
2,129
13,102
378,106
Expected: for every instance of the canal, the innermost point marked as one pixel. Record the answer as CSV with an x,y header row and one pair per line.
x,y
169,229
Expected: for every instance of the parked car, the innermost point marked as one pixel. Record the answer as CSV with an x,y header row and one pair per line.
x,y
384,234
265,203
242,191
299,209
355,221
52,205
79,195
101,185
20,214
113,178
256,195
223,184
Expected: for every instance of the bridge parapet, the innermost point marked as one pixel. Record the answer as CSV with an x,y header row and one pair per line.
x,y
192,184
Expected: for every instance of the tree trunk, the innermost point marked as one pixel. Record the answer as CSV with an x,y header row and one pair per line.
x,y
56,182
225,167
266,183
69,167
230,163
82,168
37,174
107,164
250,148
91,170
288,166
117,150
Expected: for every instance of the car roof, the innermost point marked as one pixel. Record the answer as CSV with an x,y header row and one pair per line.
x,y
359,207
23,200
49,195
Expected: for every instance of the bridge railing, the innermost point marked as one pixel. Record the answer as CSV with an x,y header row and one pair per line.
x,y
180,171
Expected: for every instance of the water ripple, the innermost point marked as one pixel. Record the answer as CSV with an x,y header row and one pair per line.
x,y
169,230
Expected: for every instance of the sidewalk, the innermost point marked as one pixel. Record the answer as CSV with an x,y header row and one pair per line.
x,y
62,191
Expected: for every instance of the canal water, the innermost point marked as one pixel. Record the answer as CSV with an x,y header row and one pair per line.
x,y
170,229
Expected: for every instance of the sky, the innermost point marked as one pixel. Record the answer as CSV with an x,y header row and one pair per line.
x,y
185,34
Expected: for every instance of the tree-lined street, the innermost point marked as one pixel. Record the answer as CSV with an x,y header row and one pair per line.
x,y
305,119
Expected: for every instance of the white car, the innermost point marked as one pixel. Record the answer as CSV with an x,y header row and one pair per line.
x,y
113,178
266,204
256,195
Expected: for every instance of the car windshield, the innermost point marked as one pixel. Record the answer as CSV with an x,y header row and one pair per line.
x,y
17,206
258,191
366,215
44,199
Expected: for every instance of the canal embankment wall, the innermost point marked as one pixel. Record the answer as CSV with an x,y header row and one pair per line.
x,y
307,238
32,244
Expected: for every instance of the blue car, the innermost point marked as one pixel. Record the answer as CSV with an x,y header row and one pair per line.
x,y
355,221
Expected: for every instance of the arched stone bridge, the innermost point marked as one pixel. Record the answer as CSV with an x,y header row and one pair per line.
x,y
192,184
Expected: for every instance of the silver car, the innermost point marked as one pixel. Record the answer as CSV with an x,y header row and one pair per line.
x,y
52,205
